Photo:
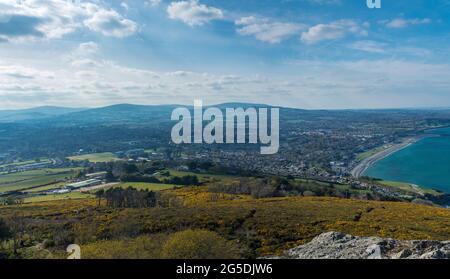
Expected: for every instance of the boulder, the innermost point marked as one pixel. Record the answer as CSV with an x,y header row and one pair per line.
x,y
335,245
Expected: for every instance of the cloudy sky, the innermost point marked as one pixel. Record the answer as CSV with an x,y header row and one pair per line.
x,y
297,53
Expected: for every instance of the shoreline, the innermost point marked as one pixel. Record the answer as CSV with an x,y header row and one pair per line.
x,y
365,164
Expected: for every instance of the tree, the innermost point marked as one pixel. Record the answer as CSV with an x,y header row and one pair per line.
x,y
109,176
11,200
5,232
99,195
131,168
130,198
198,244
17,227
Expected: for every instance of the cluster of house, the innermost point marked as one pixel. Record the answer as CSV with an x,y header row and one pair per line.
x,y
139,155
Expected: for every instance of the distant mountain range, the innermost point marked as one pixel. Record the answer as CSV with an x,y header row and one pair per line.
x,y
130,113
114,113
34,113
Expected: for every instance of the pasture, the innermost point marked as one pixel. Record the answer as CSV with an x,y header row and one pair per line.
x,y
27,180
95,157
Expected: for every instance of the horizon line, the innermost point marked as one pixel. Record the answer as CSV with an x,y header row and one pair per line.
x,y
220,104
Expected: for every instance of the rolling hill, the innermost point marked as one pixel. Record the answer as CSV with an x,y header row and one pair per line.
x,y
34,113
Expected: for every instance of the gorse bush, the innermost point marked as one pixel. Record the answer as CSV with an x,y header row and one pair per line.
x,y
198,244
258,188
259,226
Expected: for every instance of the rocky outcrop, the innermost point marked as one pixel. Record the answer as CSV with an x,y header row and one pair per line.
x,y
335,245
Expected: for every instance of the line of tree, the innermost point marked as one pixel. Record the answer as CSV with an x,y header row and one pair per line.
x,y
128,198
183,180
176,180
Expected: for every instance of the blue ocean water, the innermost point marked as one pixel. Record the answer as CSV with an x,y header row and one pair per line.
x,y
425,163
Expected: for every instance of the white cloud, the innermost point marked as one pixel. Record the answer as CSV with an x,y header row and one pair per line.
x,y
125,6
88,48
85,63
265,30
369,46
312,84
193,13
110,23
333,31
23,72
50,19
397,50
402,23
153,3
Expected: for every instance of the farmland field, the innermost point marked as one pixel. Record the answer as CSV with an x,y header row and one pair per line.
x,y
34,178
201,176
408,187
146,186
24,163
138,186
95,157
53,186
57,197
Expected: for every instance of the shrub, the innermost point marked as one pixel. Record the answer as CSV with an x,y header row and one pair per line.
x,y
142,247
308,194
198,244
184,180
5,231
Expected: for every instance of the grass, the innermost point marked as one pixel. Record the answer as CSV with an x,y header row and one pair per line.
x,y
25,163
145,186
68,196
47,187
35,178
96,157
408,187
202,176
370,153
315,184
311,182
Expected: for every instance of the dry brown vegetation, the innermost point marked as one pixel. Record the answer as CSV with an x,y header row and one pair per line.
x,y
260,226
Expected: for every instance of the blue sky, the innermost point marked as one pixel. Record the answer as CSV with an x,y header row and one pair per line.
x,y
297,53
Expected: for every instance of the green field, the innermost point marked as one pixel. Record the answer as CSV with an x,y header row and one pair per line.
x,y
145,186
95,157
314,184
46,187
407,187
201,176
68,196
25,163
35,178
369,153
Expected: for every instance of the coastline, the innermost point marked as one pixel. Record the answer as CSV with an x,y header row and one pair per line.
x,y
365,164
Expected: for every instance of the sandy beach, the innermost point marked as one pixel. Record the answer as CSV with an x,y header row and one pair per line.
x,y
366,163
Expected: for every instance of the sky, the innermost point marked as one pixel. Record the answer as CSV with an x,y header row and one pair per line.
x,y
312,54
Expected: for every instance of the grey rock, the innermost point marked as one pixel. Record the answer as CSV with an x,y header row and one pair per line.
x,y
335,245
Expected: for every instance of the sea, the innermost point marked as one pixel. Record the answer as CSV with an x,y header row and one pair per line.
x,y
425,163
